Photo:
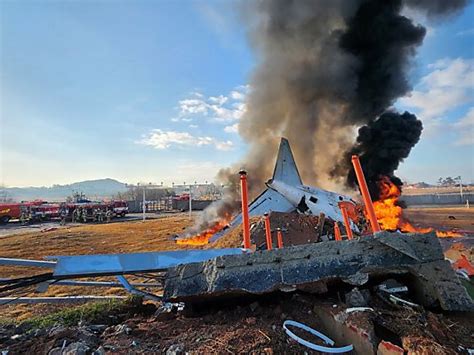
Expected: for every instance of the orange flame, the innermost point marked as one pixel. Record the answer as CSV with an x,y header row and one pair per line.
x,y
203,237
390,215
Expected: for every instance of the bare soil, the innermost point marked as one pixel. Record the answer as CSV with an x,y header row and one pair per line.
x,y
444,218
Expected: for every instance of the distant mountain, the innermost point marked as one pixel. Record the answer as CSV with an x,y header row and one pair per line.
x,y
93,189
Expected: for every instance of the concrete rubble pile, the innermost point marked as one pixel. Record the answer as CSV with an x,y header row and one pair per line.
x,y
415,258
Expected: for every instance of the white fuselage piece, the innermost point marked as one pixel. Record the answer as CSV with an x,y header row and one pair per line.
x,y
314,200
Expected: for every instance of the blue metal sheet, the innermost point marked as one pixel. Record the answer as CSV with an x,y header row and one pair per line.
x,y
116,264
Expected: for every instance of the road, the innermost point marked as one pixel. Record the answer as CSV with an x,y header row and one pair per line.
x,y
14,227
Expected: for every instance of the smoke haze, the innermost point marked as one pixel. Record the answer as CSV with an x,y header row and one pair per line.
x,y
324,69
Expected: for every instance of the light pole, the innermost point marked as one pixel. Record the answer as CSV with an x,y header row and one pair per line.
x,y
143,201
190,202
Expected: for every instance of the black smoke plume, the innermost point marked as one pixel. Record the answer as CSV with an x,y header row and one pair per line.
x,y
324,69
381,145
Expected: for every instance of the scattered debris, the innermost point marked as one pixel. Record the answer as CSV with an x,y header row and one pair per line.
x,y
313,346
310,268
357,298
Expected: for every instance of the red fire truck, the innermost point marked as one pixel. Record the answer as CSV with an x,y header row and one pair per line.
x,y
10,211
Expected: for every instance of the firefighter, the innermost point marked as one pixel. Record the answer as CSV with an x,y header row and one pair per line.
x,y
108,215
100,215
78,214
24,215
63,215
84,215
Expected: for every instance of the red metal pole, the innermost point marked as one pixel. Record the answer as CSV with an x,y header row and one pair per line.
x,y
279,238
245,208
347,224
369,207
337,232
268,232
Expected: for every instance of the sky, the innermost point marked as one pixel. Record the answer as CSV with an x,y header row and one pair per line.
x,y
152,91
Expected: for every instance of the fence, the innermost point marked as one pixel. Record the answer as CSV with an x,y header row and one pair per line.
x,y
167,204
438,199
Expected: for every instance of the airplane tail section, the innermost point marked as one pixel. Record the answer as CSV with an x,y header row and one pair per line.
x,y
285,168
268,201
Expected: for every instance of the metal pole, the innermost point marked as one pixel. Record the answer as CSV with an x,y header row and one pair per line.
x,y
190,202
245,208
144,207
337,232
460,188
279,238
369,207
347,224
268,232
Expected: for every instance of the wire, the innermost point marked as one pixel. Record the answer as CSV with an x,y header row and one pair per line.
x,y
20,282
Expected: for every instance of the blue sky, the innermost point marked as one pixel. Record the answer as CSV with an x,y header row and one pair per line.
x,y
151,91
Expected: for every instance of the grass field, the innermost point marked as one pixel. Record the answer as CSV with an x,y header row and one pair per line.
x,y
151,235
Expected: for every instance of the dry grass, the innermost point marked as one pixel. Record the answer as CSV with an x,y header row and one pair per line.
x,y
125,237
137,236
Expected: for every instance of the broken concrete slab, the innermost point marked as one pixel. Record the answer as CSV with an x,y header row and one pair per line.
x,y
312,266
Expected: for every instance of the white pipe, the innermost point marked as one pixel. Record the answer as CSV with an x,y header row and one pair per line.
x,y
310,345
68,299
134,291
28,263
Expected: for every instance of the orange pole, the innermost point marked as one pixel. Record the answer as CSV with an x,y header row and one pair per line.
x,y
347,224
337,232
268,232
279,238
245,208
369,207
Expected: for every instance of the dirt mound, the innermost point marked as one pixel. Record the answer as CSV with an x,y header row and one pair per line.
x,y
252,325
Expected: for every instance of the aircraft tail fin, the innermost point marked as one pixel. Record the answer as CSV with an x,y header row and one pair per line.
x,y
285,168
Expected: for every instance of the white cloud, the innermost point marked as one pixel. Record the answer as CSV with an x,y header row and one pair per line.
x,y
447,87
160,139
221,108
466,32
465,128
457,73
227,145
237,95
435,102
192,106
232,129
219,100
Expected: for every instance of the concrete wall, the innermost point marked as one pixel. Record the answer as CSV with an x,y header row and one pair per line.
x,y
197,205
438,199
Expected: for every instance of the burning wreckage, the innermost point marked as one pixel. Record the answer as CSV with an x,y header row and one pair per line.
x,y
313,256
